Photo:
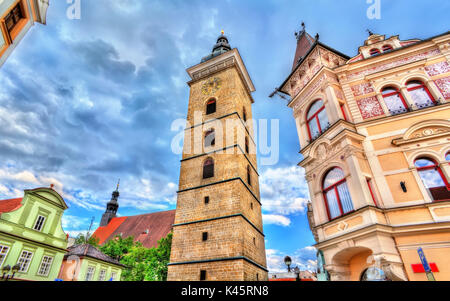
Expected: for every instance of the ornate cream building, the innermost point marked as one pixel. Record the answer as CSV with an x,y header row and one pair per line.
x,y
218,231
374,132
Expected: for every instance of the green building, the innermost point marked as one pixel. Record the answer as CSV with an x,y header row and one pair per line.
x,y
32,240
87,263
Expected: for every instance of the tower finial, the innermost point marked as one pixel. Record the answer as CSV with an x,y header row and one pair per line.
x,y
303,26
370,32
222,32
118,184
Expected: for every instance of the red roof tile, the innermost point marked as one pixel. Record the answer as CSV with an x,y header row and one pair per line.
x,y
102,233
158,224
10,205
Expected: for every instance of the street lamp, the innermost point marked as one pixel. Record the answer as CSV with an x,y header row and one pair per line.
x,y
6,270
288,262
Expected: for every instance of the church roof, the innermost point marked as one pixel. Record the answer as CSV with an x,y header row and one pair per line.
x,y
146,228
87,250
10,205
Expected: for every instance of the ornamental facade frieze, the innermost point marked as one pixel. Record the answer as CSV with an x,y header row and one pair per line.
x,y
393,64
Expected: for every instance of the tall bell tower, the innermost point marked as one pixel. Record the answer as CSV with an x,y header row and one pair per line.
x,y
218,232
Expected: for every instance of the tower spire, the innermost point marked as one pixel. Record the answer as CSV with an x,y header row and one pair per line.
x,y
222,45
111,207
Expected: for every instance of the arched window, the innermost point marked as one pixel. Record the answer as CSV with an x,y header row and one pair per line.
x,y
249,176
420,94
208,168
394,100
387,48
211,106
317,119
244,115
247,146
374,51
210,138
447,156
337,196
433,179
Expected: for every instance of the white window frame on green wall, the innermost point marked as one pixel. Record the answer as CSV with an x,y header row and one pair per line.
x,y
102,275
40,222
45,266
90,275
4,250
25,261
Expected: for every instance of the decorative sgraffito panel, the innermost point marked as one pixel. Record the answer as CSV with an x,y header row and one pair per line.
x,y
362,89
439,68
444,86
370,107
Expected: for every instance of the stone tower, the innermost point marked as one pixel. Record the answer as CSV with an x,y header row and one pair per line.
x,y
218,232
111,208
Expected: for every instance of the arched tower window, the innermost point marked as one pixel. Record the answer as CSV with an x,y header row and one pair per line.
x,y
211,106
249,175
244,115
433,179
337,196
210,138
317,119
394,100
208,168
387,48
420,94
374,51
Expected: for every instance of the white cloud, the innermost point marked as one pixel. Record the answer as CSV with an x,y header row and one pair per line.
x,y
284,192
304,258
280,220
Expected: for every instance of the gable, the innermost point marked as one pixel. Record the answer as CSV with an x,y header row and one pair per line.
x,y
48,195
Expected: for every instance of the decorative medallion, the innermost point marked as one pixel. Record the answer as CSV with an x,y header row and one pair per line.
x,y
444,86
370,107
211,86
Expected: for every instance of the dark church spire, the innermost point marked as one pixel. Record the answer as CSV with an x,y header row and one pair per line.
x,y
222,45
111,207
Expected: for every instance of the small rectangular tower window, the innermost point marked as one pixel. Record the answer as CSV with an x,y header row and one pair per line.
x,y
205,236
202,275
206,199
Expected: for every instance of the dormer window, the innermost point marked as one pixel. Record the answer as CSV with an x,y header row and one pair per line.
x,y
374,51
387,48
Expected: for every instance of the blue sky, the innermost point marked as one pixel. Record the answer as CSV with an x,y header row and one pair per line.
x,y
85,102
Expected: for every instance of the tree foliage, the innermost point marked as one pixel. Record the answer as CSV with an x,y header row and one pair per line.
x,y
142,264
83,239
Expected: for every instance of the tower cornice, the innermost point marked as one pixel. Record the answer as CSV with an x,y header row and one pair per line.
x,y
219,63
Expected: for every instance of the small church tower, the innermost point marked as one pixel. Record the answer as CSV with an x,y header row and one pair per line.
x,y
111,208
218,232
